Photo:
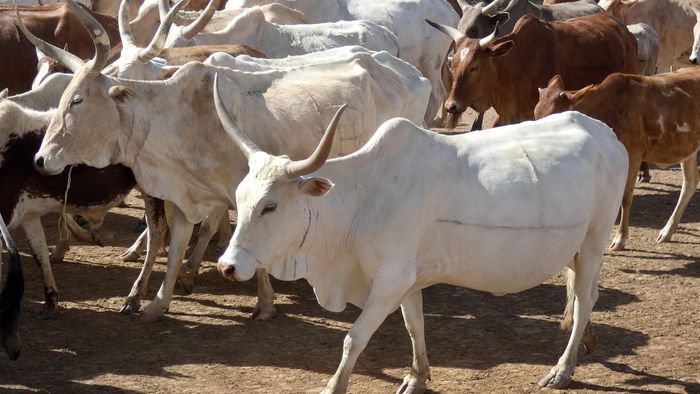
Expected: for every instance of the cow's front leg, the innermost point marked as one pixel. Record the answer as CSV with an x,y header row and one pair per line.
x,y
155,221
622,232
384,297
412,309
690,183
180,234
265,307
37,241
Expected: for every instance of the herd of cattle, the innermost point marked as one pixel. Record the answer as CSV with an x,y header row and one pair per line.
x,y
221,106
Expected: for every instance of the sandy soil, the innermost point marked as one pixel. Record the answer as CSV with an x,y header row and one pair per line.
x,y
647,318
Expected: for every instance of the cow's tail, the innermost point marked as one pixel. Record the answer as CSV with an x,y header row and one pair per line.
x,y
568,320
11,298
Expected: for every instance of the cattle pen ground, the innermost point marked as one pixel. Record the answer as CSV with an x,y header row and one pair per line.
x,y
647,320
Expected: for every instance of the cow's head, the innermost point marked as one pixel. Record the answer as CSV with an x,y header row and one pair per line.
x,y
617,8
272,202
553,99
479,21
180,36
135,62
86,126
473,71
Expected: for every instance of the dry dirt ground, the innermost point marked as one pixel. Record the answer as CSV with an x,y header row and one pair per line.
x,y
647,318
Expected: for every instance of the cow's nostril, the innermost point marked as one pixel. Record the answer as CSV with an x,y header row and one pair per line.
x,y
39,163
694,61
452,108
228,271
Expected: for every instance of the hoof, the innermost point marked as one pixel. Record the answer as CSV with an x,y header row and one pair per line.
x,y
407,388
617,246
47,313
555,380
130,257
55,259
643,178
163,253
148,317
664,236
131,306
260,314
186,280
589,340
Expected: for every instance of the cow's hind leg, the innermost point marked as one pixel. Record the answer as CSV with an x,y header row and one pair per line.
x,y
189,273
690,183
585,283
265,307
155,221
412,309
37,241
384,297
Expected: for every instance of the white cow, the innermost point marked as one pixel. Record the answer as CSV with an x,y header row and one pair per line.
x,y
168,133
673,20
648,43
250,28
419,44
498,211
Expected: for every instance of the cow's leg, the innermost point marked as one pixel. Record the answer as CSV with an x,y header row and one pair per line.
x,y
690,183
412,309
644,176
37,241
188,274
180,233
225,231
265,308
587,271
135,250
155,222
384,297
618,242
478,122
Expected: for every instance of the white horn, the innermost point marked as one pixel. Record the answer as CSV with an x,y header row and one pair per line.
x,y
488,40
155,47
493,7
247,146
455,34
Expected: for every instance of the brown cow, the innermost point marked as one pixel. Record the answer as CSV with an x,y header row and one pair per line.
x,y
505,73
54,23
655,117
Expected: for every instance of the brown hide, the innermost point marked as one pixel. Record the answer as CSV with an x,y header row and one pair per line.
x,y
54,23
506,74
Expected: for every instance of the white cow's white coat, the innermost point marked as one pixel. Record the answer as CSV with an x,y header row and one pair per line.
x,y
498,210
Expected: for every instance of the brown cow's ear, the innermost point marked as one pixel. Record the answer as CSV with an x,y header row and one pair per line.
x,y
502,48
4,94
316,186
120,93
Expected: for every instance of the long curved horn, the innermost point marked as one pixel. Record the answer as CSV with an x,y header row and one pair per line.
x,y
191,30
247,146
124,28
155,47
455,34
320,155
493,7
66,58
163,8
98,34
488,40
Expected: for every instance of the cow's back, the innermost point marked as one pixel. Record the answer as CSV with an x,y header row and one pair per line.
x,y
592,47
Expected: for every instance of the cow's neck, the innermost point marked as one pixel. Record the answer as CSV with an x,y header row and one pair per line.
x,y
271,33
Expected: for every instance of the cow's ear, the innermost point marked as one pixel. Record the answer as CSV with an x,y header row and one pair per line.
x,y
120,93
555,82
502,48
316,186
4,94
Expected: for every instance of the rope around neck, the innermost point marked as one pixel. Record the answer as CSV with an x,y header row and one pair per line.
x,y
63,231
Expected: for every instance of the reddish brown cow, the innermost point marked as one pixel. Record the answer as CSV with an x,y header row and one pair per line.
x,y
55,23
655,117
505,73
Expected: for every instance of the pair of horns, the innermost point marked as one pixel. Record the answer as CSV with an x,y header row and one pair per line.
x,y
248,147
155,47
191,30
457,35
493,7
97,33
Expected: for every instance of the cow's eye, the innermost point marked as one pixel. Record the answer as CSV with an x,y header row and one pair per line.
x,y
76,101
269,208
473,69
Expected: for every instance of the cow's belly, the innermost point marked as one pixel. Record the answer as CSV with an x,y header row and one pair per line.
x,y
497,260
